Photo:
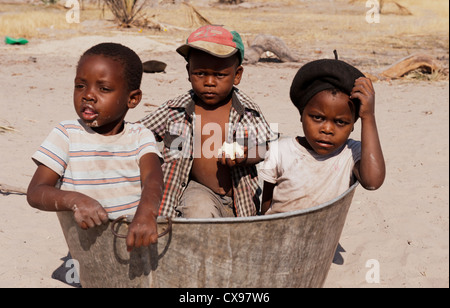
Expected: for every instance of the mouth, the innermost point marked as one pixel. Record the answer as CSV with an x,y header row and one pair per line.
x,y
324,144
88,113
209,95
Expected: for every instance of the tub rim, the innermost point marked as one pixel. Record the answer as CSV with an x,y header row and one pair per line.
x,y
261,218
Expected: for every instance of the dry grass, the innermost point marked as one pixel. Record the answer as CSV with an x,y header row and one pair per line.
x,y
312,24
307,27
420,75
27,24
31,21
289,19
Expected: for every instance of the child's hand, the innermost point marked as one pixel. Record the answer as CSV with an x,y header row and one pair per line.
x,y
234,154
364,91
232,160
142,231
88,213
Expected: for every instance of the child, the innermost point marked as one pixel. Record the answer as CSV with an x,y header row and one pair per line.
x,y
200,180
306,171
106,167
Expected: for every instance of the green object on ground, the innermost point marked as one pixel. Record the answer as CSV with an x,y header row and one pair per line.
x,y
13,41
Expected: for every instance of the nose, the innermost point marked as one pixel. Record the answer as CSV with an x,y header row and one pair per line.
x,y
327,128
210,80
88,95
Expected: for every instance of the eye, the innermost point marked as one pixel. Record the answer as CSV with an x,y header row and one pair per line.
x,y
221,75
341,122
316,118
79,86
105,89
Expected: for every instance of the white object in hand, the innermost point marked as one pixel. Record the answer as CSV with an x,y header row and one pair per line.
x,y
231,150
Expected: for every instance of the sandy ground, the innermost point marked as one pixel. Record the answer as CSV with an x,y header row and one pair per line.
x,y
404,226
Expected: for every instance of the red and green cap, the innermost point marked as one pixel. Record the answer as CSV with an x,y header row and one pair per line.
x,y
215,40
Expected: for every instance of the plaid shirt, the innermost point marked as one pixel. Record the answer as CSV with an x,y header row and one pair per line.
x,y
173,123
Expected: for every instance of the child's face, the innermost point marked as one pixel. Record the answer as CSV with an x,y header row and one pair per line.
x,y
328,120
213,78
101,95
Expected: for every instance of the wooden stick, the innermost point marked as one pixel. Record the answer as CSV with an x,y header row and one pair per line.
x,y
8,128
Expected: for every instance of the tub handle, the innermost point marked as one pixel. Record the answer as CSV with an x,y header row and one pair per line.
x,y
129,218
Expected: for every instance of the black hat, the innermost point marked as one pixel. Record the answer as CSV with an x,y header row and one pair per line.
x,y
320,75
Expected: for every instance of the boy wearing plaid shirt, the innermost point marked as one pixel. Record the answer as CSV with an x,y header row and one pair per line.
x,y
202,179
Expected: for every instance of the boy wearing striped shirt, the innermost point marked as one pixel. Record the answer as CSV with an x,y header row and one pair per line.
x,y
101,167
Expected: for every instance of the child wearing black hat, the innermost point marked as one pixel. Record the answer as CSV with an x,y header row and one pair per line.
x,y
303,172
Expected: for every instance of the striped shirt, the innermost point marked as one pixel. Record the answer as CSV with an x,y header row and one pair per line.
x,y
105,168
173,123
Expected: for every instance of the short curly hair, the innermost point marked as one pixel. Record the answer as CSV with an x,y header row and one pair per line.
x,y
132,64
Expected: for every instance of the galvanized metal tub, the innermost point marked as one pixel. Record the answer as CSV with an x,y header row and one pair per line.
x,y
293,249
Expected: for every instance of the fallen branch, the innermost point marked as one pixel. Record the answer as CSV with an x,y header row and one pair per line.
x,y
263,43
411,63
8,128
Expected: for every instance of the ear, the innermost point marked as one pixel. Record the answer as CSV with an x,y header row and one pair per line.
x,y
238,75
189,74
135,98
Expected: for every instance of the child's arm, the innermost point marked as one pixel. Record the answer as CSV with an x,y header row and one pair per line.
x,y
370,170
43,195
143,229
267,197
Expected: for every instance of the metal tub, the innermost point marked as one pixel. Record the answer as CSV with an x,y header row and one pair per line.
x,y
292,249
